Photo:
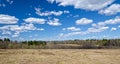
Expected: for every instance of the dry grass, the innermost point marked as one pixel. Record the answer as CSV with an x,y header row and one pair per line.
x,y
60,56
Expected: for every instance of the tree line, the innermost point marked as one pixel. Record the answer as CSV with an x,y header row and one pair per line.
x,y
6,43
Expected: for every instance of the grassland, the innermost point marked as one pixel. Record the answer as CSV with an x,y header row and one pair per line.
x,y
59,56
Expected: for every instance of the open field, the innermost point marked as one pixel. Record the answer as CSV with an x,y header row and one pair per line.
x,y
59,56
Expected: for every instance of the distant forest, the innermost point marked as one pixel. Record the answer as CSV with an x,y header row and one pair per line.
x,y
6,43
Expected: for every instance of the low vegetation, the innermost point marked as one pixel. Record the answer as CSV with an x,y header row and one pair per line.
x,y
59,56
6,43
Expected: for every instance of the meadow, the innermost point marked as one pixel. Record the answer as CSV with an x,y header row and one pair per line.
x,y
59,56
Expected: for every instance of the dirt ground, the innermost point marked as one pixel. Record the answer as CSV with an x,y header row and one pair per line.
x,y
60,56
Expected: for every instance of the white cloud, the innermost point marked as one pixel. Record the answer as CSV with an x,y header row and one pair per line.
x,y
18,28
88,31
65,11
48,13
51,1
71,34
99,24
72,29
96,27
94,30
61,35
28,27
116,20
113,29
54,22
41,29
83,21
35,20
76,16
113,9
84,4
4,27
15,30
15,35
6,32
7,19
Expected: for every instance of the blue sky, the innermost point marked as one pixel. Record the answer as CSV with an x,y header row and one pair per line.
x,y
59,19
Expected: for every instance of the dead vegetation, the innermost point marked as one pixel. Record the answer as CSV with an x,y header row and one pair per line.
x,y
60,56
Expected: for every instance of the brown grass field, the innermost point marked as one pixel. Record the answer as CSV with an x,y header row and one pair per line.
x,y
59,56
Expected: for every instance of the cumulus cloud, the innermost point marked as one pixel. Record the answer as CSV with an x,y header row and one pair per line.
x,y
16,29
2,37
54,22
65,11
99,24
113,29
35,20
99,29
76,16
96,27
88,31
84,4
72,29
48,13
7,19
41,29
116,20
6,32
70,34
113,9
83,21
15,35
51,1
